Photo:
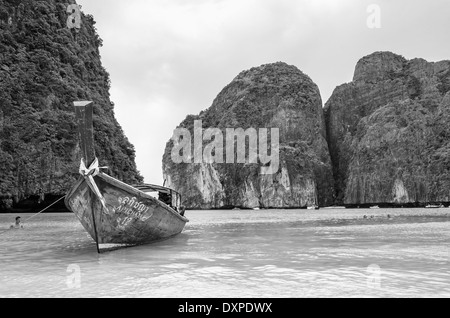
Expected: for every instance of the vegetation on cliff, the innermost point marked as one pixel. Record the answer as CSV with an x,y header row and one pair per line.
x,y
44,67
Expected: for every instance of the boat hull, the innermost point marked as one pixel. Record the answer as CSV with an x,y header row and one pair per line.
x,y
127,216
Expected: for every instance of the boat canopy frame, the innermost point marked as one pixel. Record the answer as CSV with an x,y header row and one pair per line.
x,y
175,196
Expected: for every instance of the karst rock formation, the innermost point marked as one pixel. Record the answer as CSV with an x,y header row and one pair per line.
x,y
389,133
45,65
270,96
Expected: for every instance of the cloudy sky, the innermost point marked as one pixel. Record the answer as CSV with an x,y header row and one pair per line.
x,y
170,58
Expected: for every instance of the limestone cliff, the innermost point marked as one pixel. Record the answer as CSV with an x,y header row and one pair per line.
x,y
270,96
44,67
388,132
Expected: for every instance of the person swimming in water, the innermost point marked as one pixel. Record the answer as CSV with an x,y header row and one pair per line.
x,y
17,225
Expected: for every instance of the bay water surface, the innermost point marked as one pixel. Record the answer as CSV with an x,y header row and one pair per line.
x,y
238,254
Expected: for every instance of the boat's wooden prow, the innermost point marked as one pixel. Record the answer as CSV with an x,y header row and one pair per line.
x,y
114,213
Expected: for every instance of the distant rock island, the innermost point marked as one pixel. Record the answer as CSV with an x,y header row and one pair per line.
x,y
385,137
45,66
389,132
270,96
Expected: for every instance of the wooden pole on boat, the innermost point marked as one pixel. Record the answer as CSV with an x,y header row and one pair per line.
x,y
84,112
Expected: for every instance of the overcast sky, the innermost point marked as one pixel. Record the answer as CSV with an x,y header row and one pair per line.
x,y
170,58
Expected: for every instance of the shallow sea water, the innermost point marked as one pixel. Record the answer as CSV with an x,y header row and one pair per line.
x,y
238,254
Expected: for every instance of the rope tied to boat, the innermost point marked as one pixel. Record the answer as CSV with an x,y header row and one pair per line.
x,y
62,198
89,174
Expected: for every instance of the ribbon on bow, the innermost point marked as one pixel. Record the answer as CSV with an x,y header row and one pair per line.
x,y
89,174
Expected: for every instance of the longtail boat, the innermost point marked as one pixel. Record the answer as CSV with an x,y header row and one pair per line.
x,y
114,213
